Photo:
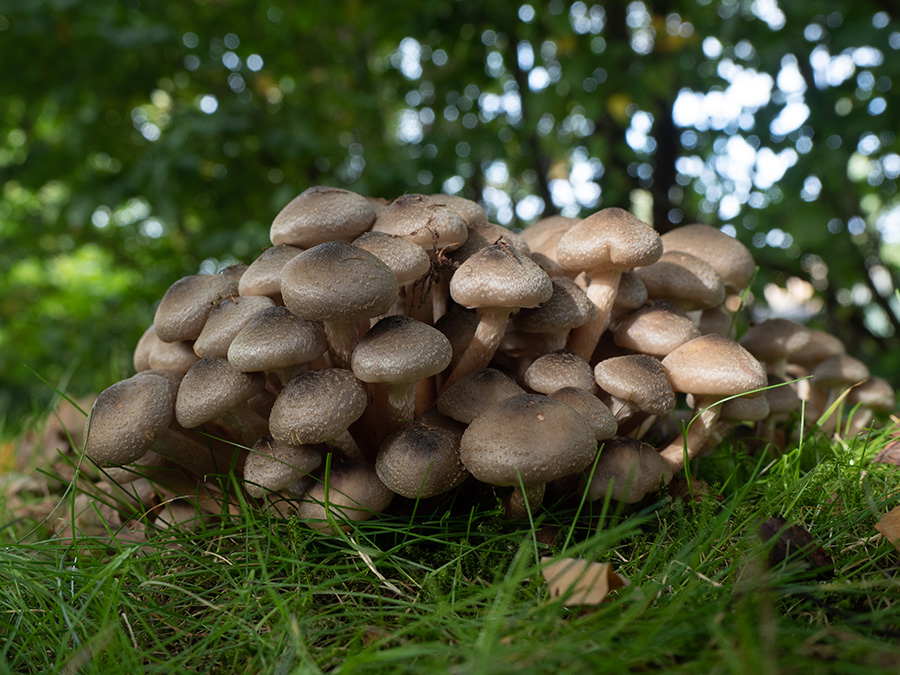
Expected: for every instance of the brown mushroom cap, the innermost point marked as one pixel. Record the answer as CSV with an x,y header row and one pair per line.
x,y
592,410
484,234
321,214
211,388
276,338
684,280
468,397
713,365
469,210
559,369
637,379
263,277
543,237
567,307
729,257
528,438
499,276
406,259
628,470
840,370
399,349
610,238
352,491
775,340
177,356
184,307
274,466
420,461
656,329
225,321
141,356
421,220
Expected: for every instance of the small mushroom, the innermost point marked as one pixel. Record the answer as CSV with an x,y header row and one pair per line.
x,y
272,466
349,493
627,470
184,307
420,461
321,214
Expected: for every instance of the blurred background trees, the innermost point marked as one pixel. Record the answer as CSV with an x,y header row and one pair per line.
x,y
143,140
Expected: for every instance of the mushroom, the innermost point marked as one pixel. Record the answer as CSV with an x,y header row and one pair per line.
x,y
525,441
468,397
656,329
186,304
684,280
551,321
263,276
321,214
557,370
225,321
627,470
420,461
274,466
603,246
774,342
347,493
400,351
875,395
176,356
730,259
338,284
712,368
497,281
637,386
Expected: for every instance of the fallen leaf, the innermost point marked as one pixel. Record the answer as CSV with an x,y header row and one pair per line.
x,y
889,526
890,454
580,582
793,543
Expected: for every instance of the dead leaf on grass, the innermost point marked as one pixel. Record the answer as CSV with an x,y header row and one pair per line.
x,y
792,543
889,526
580,582
890,454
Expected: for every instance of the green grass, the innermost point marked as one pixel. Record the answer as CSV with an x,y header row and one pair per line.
x,y
456,589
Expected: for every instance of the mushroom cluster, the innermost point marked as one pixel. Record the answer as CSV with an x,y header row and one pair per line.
x,y
403,348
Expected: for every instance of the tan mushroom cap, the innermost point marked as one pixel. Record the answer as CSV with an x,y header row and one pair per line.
x,y
774,340
352,491
469,210
568,307
527,437
177,356
713,365
420,461
276,338
274,466
656,329
610,238
628,470
745,409
729,257
684,280
483,234
544,235
128,417
211,388
317,406
225,321
875,393
559,369
141,357
321,214
821,345
263,276
184,307
498,276
467,398
598,417
421,220
637,379
399,349
406,259
840,370
631,294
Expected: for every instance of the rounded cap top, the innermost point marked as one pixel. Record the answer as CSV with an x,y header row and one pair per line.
x,y
185,305
276,338
128,417
499,276
225,321
273,466
407,260
713,365
354,492
611,238
484,234
321,214
543,237
684,280
468,210
631,294
775,339
399,349
423,221
638,379
745,409
840,370
559,369
212,387
263,276
336,281
529,436
729,257
567,308
656,329
628,470
598,417
875,393
465,399
317,406
781,396
420,461
821,345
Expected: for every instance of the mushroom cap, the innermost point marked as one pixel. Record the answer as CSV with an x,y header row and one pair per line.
x,y
184,307
875,393
128,417
821,345
399,349
527,436
559,369
420,219
656,329
420,461
276,338
568,307
466,398
840,370
713,365
499,276
354,492
177,356
729,257
544,235
598,417
273,466
458,325
612,238
631,294
211,388
483,234
775,339
141,357
469,210
745,409
638,379
225,321
406,259
317,406
781,396
263,276
684,280
336,281
321,214
628,470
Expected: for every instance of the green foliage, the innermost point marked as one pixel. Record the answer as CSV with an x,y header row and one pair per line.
x,y
143,141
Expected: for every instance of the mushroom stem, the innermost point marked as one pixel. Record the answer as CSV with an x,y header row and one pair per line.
x,y
484,343
401,399
342,337
683,449
519,503
601,289
249,425
347,446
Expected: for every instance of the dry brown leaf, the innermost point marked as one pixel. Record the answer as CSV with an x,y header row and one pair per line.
x,y
889,526
890,454
580,582
793,543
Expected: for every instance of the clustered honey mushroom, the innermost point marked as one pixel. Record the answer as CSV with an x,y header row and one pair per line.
x,y
406,347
